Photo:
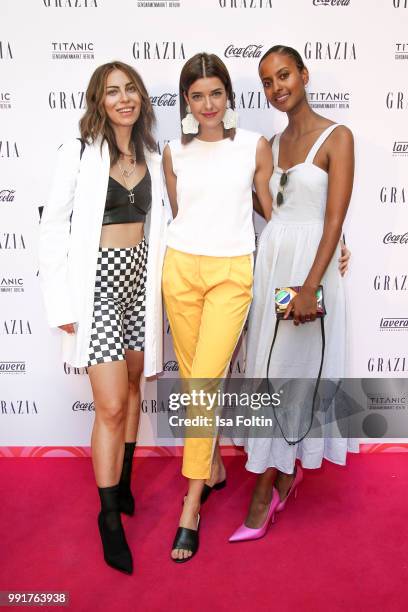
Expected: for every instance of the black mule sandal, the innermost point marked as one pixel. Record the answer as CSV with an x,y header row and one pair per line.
x,y
186,539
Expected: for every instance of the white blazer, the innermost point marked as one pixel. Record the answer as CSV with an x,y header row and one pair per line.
x,y
68,248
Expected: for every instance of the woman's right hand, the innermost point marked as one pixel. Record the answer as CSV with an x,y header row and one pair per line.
x,y
69,328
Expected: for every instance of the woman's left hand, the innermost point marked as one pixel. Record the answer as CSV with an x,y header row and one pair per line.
x,y
303,306
344,258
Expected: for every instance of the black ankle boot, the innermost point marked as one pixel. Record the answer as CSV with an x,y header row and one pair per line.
x,y
115,547
126,499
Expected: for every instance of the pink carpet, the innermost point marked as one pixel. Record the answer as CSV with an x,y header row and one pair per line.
x,y
342,545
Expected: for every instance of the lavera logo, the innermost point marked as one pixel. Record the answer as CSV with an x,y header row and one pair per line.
x,y
250,51
165,99
5,50
401,51
70,3
329,99
331,2
400,148
72,50
165,50
66,100
12,367
18,407
391,238
336,50
396,100
393,324
245,4
393,194
83,406
7,195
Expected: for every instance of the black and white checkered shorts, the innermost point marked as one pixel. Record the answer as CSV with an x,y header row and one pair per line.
x,y
118,321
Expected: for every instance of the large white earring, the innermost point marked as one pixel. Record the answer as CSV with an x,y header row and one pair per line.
x,y
230,118
189,124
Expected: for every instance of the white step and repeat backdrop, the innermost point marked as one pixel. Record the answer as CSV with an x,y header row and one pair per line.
x,y
357,54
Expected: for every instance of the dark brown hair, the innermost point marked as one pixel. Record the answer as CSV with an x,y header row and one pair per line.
x,y
201,66
284,50
95,122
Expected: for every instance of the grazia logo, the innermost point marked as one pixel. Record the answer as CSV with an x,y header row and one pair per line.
x,y
70,3
396,100
5,50
155,50
245,4
330,50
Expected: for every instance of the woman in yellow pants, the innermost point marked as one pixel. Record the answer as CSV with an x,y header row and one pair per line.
x,y
207,274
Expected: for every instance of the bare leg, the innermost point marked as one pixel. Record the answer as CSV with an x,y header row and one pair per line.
x,y
109,383
134,361
283,484
218,473
261,499
188,518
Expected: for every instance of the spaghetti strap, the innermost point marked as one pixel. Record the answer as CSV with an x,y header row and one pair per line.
x,y
323,136
275,150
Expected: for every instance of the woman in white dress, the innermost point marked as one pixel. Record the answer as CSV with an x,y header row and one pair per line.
x,y
311,186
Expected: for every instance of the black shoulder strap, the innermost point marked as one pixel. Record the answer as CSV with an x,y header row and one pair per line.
x,y
293,442
82,141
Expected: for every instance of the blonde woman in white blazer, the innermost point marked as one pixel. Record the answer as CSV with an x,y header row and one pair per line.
x,y
102,243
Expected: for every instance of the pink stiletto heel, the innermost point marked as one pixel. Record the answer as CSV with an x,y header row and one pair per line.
x,y
293,488
247,533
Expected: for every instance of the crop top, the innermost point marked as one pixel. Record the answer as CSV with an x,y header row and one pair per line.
x,y
118,206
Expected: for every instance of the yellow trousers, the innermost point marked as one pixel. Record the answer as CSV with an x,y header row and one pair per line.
x,y
207,301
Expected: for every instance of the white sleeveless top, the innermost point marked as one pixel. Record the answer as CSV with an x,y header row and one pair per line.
x,y
214,196
305,193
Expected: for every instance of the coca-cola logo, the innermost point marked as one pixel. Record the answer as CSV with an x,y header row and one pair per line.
x,y
248,51
83,406
331,2
391,238
7,195
171,366
165,99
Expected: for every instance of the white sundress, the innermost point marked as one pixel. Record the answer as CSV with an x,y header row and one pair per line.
x,y
286,252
